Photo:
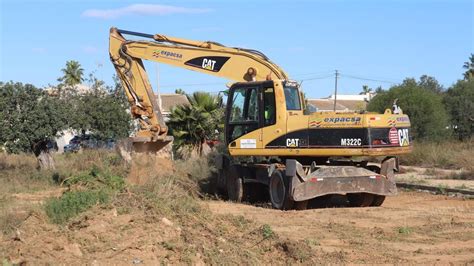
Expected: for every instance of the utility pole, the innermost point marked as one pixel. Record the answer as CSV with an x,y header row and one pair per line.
x,y
335,90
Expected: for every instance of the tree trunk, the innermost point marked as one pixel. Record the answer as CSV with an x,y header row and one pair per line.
x,y
44,157
46,161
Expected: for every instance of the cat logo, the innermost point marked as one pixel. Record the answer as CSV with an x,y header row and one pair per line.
x,y
208,64
292,143
403,138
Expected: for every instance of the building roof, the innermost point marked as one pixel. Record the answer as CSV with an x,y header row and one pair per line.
x,y
168,101
341,105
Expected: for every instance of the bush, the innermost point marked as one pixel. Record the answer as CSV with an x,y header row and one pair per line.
x,y
70,204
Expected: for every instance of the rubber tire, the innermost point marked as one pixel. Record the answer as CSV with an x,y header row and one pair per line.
x,y
234,184
378,201
360,199
278,191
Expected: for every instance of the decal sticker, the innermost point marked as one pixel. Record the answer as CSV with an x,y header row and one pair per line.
x,y
393,136
211,63
248,143
292,143
403,137
392,121
315,122
403,119
167,54
336,120
351,142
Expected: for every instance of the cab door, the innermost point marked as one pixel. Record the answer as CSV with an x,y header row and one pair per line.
x,y
244,117
297,122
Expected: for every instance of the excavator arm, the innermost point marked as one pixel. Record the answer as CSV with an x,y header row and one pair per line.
x,y
235,64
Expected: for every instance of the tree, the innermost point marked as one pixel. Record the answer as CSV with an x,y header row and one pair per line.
x,y
365,90
430,83
180,91
101,111
469,66
459,101
424,107
72,74
193,124
29,120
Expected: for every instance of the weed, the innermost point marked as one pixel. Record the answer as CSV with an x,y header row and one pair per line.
x,y
441,189
312,242
97,178
72,203
267,231
405,230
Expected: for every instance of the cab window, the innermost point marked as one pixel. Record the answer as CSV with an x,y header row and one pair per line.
x,y
269,106
244,105
292,98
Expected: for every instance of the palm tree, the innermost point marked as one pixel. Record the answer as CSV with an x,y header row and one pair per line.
x,y
72,74
469,66
365,90
193,124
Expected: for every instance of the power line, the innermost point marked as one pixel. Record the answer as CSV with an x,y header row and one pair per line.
x,y
368,79
314,73
320,77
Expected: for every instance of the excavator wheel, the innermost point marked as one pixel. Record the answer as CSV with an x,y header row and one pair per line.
x,y
360,199
235,185
278,190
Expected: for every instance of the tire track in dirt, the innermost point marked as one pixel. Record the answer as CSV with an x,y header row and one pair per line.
x,y
411,227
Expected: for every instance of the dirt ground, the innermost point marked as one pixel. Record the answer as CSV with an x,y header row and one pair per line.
x,y
412,227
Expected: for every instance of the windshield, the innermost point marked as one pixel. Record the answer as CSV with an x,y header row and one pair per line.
x,y
292,98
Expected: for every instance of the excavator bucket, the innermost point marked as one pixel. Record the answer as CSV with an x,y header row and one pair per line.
x,y
161,148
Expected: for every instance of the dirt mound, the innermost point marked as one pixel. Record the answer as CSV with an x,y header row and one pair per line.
x,y
107,236
145,167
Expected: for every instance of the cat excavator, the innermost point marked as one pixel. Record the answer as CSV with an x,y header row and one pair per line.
x,y
275,147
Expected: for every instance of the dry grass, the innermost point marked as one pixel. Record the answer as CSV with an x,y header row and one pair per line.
x,y
174,195
449,155
19,173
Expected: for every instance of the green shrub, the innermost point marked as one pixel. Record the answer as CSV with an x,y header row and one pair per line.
x,y
97,178
60,210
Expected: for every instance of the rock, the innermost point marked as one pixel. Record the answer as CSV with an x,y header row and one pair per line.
x,y
137,261
166,222
73,249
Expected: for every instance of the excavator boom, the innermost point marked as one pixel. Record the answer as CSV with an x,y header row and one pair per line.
x,y
235,64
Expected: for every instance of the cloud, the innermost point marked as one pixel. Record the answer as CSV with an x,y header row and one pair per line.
x,y
142,10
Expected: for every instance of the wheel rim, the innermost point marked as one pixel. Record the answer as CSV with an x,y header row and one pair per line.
x,y
277,190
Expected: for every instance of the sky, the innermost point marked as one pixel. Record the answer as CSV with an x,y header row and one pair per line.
x,y
370,42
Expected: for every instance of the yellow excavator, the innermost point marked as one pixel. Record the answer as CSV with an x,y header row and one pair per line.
x,y
298,158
